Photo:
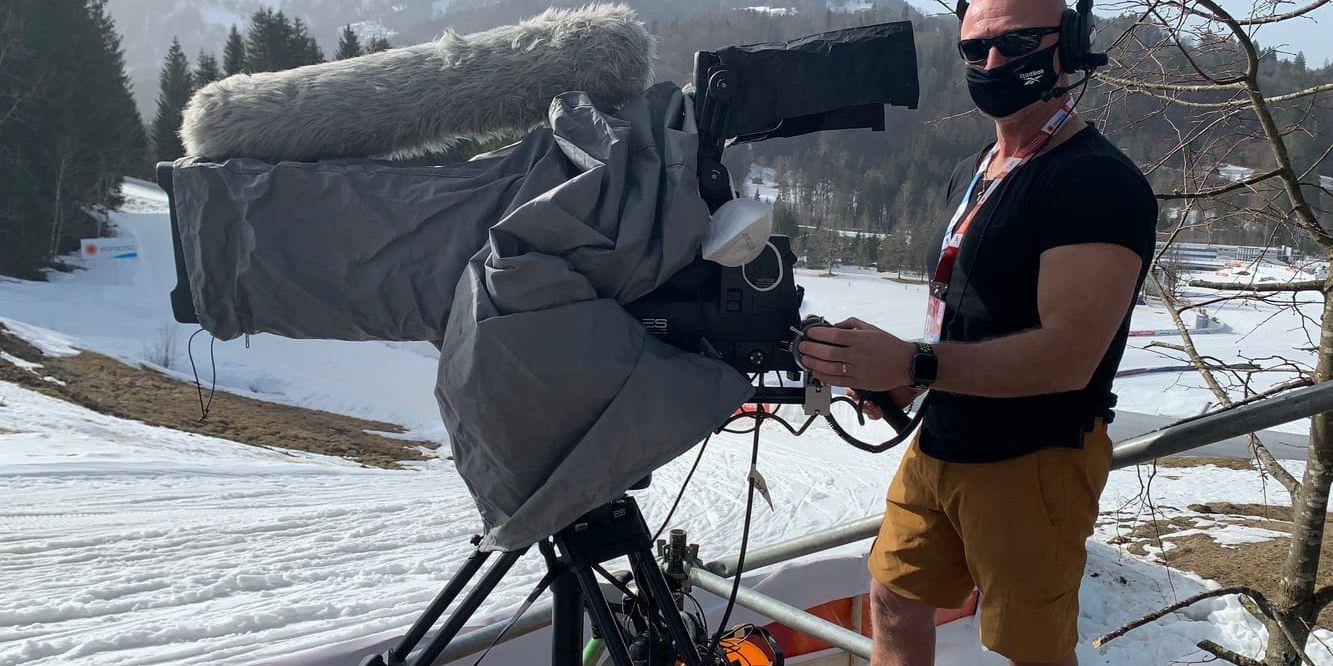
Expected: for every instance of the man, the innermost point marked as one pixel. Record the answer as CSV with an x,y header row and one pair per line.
x,y
1034,286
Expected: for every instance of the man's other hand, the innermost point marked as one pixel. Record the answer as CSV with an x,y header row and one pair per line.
x,y
901,396
855,354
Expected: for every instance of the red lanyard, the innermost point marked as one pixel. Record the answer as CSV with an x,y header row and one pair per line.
x,y
963,216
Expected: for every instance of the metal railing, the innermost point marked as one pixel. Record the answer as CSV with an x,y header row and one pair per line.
x,y
712,576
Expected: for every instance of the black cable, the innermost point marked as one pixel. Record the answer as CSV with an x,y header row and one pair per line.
x,y
700,616
747,415
745,543
204,409
1083,87
683,486
541,586
615,582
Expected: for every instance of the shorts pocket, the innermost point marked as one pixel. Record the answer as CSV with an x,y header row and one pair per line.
x,y
1052,469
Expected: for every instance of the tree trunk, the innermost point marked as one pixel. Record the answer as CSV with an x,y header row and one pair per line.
x,y
1309,509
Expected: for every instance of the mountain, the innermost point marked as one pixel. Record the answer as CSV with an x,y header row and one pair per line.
x,y
147,26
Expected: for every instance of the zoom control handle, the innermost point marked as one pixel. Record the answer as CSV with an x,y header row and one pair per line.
x,y
893,414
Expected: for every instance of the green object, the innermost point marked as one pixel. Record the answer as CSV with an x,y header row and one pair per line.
x,y
592,651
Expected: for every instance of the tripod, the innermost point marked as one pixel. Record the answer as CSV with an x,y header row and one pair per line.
x,y
611,531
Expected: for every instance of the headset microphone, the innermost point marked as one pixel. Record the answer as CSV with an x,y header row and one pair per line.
x,y
1057,91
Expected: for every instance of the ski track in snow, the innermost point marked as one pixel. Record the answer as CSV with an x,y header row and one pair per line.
x,y
122,543
209,551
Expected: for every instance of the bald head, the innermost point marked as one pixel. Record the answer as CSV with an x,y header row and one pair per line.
x,y
987,18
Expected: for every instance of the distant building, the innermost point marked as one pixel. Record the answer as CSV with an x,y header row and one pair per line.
x,y
1210,257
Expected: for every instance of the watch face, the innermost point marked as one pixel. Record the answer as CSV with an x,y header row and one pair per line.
x,y
924,368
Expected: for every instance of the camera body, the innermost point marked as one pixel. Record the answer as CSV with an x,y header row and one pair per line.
x,y
744,316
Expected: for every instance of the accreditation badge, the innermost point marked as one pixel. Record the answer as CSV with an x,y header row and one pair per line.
x,y
934,313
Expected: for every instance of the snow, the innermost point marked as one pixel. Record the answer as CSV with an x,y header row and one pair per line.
x,y
1252,273
48,342
26,365
850,6
766,177
134,544
775,11
371,29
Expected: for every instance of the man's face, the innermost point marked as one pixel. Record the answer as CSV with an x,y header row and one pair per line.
x,y
991,18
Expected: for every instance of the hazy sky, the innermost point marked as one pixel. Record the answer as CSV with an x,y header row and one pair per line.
x,y
1314,38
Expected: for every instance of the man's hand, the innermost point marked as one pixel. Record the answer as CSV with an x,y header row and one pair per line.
x,y
855,354
901,396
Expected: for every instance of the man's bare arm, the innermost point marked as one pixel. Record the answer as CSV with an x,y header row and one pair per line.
x,y
1082,293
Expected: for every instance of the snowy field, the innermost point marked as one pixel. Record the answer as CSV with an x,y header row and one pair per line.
x,y
122,543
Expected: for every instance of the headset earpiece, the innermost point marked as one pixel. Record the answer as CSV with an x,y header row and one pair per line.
x,y
960,10
1072,41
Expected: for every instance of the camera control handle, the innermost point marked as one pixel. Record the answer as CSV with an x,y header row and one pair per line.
x,y
893,414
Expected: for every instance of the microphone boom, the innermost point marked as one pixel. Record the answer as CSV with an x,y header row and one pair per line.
x,y
409,101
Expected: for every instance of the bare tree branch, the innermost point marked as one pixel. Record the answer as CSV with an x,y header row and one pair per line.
x,y
1274,468
1172,87
1203,194
1227,655
1260,20
1256,596
1302,285
1312,90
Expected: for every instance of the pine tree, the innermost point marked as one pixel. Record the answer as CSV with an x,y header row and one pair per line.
x,y
303,46
785,221
821,248
123,143
175,88
206,70
266,42
62,156
349,45
233,55
275,42
378,44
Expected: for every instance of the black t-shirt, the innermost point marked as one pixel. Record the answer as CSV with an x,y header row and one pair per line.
x,y
1082,191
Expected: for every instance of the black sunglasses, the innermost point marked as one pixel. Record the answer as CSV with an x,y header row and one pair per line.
x,y
1010,44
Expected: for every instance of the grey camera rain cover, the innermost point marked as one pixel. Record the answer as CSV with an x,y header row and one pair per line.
x,y
555,399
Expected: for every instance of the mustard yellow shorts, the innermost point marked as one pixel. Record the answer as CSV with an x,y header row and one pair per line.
x,y
1014,529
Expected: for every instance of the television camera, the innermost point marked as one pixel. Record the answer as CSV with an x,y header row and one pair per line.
x,y
748,316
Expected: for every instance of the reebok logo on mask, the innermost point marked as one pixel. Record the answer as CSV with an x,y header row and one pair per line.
x,y
1003,90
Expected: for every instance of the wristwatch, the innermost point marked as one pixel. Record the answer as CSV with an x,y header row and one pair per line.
x,y
925,366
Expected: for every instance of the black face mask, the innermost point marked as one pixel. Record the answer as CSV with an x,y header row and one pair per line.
x,y
1002,91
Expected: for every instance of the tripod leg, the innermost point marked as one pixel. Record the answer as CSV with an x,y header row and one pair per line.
x,y
601,614
468,606
437,607
649,576
566,621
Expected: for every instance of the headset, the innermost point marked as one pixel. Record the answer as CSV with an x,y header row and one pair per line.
x,y
1075,44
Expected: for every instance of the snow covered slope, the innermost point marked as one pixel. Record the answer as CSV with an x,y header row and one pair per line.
x,y
122,543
